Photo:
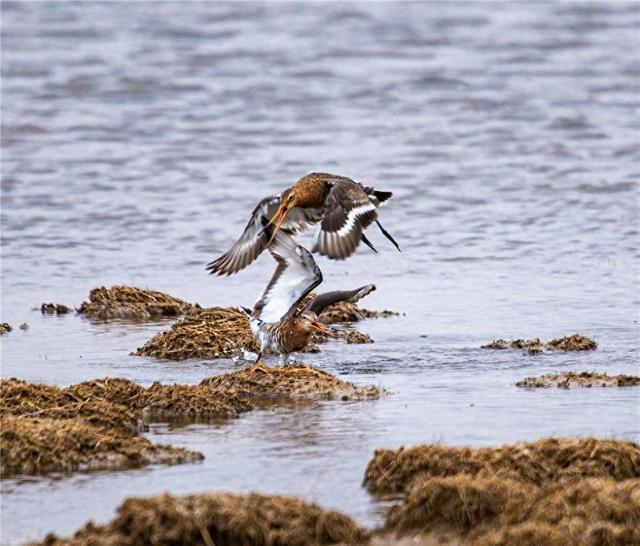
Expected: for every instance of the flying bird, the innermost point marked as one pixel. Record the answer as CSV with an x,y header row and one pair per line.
x,y
341,207
277,320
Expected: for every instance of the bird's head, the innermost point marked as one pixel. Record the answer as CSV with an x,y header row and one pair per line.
x,y
310,323
288,200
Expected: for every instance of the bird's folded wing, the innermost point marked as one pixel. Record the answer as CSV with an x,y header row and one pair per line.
x,y
254,240
295,276
348,211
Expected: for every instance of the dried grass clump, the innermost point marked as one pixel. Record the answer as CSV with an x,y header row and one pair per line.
x,y
216,332
129,302
222,519
533,462
299,381
566,380
350,312
37,445
575,342
5,328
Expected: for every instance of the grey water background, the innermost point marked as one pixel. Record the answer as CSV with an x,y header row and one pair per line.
x,y
136,138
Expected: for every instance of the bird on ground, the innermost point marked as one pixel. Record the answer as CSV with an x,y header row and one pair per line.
x,y
342,207
277,320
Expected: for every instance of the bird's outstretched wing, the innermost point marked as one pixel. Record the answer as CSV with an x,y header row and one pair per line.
x,y
254,239
322,301
349,210
295,276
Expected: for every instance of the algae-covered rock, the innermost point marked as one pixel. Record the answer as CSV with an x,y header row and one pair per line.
x,y
575,342
5,328
219,519
566,380
128,302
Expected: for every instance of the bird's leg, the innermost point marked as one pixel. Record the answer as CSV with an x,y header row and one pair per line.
x,y
258,359
284,358
388,235
368,243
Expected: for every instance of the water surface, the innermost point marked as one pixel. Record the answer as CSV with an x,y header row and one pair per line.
x,y
136,139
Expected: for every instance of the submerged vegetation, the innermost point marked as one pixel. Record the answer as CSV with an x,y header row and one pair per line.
x,y
129,302
566,380
575,342
95,424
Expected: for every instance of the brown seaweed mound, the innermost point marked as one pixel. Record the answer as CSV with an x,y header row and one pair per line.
x,y
575,342
349,312
553,491
567,380
299,381
5,328
533,462
219,519
220,332
33,445
96,422
492,511
128,302
216,332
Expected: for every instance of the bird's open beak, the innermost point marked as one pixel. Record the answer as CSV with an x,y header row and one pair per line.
x,y
281,216
319,327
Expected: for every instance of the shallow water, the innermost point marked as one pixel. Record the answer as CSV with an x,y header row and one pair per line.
x,y
135,142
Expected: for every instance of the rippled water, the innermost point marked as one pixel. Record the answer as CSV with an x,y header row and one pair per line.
x,y
137,137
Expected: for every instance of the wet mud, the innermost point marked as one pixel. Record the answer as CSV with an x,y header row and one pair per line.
x,y
568,380
95,424
219,519
5,328
129,302
575,342
553,491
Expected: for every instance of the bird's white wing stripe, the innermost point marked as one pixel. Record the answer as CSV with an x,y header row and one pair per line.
x,y
352,216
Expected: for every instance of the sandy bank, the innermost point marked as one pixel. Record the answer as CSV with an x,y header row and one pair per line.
x,y
567,380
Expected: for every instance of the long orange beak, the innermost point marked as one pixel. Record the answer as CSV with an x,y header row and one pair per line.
x,y
281,214
319,327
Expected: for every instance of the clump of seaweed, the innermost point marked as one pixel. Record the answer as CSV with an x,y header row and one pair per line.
x,y
216,332
54,309
35,445
129,302
222,519
575,342
547,459
5,328
293,381
492,511
350,312
97,421
220,332
567,380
